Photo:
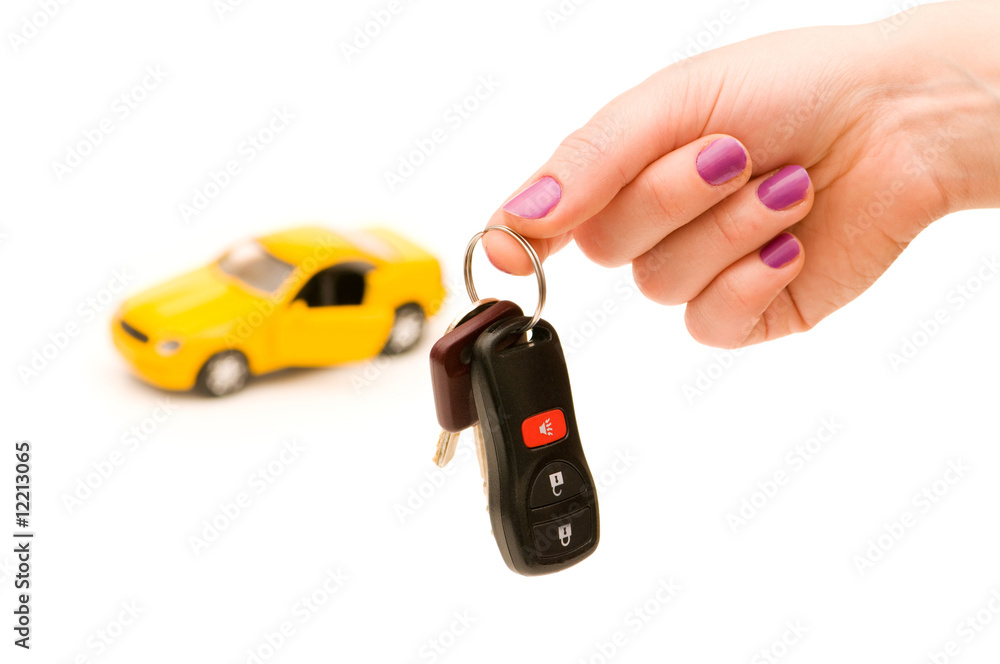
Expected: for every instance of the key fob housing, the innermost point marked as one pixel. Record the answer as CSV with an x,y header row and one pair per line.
x,y
542,502
450,373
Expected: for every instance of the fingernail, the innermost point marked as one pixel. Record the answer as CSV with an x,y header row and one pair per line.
x,y
721,161
780,251
785,188
537,200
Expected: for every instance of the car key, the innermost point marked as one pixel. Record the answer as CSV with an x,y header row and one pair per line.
x,y
542,501
448,439
450,377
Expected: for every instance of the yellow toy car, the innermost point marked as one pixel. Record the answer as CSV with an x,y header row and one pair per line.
x,y
303,297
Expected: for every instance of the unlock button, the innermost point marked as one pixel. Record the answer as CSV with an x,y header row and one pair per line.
x,y
556,481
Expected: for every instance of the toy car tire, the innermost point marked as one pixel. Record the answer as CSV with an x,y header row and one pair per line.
x,y
224,373
407,329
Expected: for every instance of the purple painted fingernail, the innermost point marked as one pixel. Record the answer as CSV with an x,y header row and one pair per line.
x,y
721,161
780,251
785,188
537,200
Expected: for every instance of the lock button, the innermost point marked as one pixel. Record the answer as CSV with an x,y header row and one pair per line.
x,y
565,534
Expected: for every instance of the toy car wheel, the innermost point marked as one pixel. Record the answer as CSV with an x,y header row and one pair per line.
x,y
224,373
406,329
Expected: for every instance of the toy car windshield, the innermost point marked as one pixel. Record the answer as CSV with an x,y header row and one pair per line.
x,y
255,267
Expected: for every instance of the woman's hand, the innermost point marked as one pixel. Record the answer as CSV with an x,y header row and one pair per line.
x,y
769,183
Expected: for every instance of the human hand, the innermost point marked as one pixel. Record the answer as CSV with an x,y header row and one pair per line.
x,y
856,139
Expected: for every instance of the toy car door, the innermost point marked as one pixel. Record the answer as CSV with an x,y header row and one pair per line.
x,y
328,322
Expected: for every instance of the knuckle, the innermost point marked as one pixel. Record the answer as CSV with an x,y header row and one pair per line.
x,y
593,145
758,334
783,316
732,294
696,325
594,244
658,192
652,277
731,230
708,333
732,322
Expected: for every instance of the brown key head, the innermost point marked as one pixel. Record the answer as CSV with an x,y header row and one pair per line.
x,y
450,369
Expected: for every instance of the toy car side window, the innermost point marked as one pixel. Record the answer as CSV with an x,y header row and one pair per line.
x,y
341,284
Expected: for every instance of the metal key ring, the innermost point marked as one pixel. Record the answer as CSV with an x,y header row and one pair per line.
x,y
535,263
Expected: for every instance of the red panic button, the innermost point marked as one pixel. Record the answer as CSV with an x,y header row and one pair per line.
x,y
544,428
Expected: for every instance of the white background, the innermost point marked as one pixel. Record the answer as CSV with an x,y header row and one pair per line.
x,y
368,431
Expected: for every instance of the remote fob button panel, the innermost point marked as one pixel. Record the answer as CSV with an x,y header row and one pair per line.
x,y
544,428
557,481
564,535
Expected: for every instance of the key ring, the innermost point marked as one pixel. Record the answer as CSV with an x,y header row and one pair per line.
x,y
535,263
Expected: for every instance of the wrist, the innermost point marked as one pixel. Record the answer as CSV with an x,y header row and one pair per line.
x,y
952,66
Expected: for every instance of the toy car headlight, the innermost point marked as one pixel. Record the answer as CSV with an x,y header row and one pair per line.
x,y
168,347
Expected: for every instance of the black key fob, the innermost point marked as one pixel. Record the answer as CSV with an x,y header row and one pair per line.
x,y
542,502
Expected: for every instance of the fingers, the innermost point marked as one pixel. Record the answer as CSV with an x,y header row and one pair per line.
x,y
669,193
682,264
594,163
748,302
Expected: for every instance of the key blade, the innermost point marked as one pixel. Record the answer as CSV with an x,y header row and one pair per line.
x,y
470,312
477,432
446,446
